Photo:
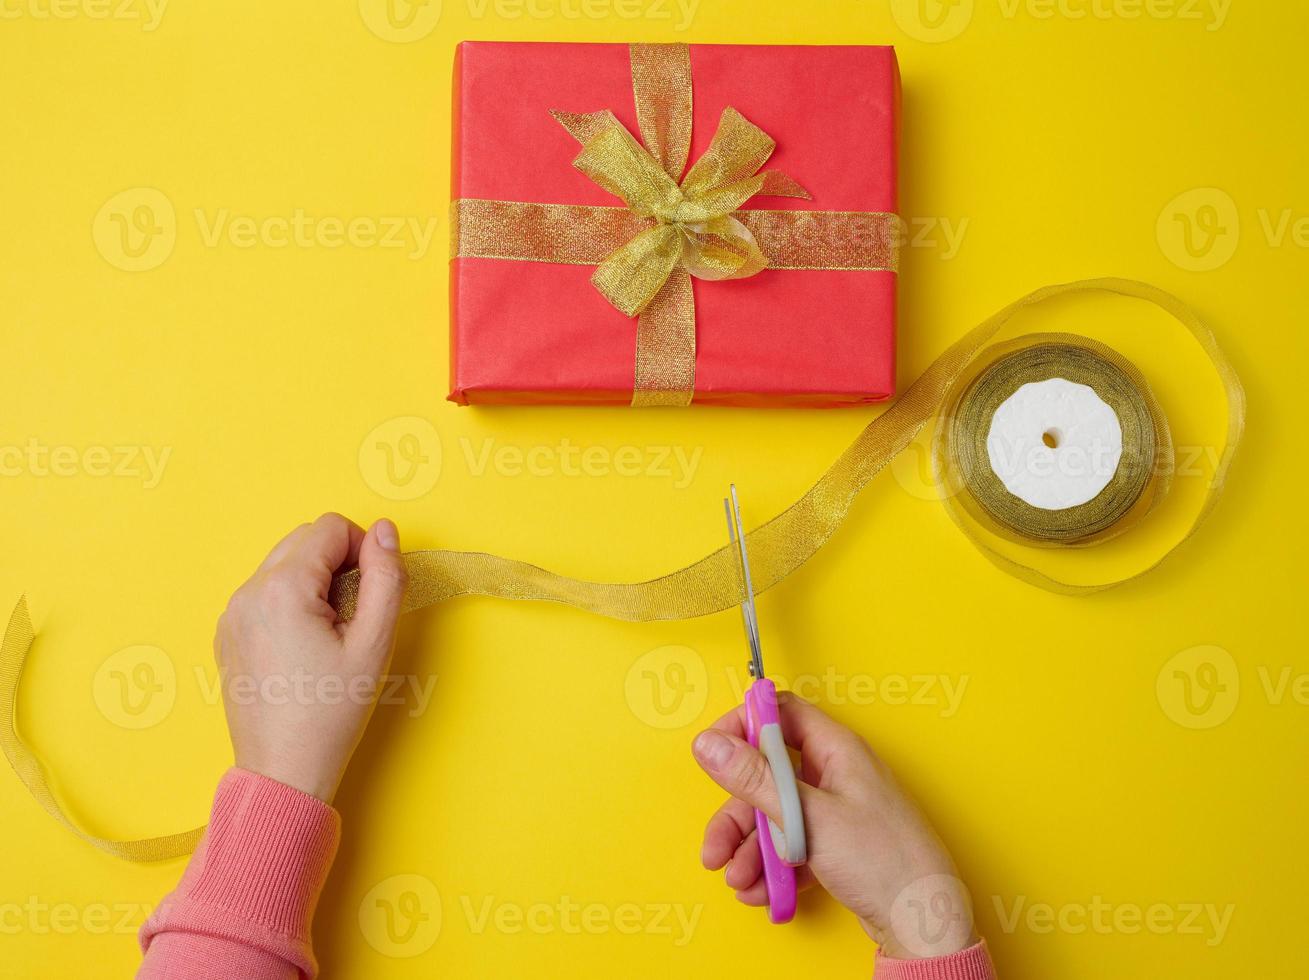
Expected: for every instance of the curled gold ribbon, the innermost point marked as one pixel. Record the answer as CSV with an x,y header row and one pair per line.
x,y
13,655
673,228
711,584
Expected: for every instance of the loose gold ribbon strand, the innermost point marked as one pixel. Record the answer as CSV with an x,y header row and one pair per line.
x,y
709,585
782,545
13,655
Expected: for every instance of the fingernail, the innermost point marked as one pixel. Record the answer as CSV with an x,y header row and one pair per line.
x,y
387,536
713,749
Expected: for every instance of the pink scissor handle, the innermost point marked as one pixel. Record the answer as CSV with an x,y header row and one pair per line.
x,y
781,847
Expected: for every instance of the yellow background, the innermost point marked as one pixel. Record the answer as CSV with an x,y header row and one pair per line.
x,y
542,768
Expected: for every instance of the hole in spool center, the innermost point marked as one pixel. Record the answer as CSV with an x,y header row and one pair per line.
x,y
1051,438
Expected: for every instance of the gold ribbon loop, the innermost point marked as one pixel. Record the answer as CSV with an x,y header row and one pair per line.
x,y
722,249
633,275
661,87
737,151
617,162
586,126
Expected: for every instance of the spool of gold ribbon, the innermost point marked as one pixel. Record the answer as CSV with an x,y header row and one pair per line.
x,y
786,542
1141,474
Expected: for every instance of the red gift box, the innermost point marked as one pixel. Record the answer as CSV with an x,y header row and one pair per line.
x,y
531,332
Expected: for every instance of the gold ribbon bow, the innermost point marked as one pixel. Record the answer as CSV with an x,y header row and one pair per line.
x,y
671,230
694,234
694,228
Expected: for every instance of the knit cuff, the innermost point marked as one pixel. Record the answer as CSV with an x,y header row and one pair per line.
x,y
973,963
269,850
256,876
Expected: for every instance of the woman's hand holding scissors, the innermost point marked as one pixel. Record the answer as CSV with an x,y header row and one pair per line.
x,y
869,845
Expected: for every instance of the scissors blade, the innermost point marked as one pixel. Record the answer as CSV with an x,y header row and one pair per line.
x,y
736,531
736,560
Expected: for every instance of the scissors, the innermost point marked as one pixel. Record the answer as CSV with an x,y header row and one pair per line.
x,y
782,848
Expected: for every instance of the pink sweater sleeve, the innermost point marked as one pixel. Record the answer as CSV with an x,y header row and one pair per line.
x,y
973,963
245,903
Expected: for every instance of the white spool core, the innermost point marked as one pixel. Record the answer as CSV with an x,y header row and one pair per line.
x,y
1054,444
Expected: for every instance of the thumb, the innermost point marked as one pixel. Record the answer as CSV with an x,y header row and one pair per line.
x,y
739,768
382,582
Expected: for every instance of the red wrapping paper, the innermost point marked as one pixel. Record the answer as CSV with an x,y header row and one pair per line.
x,y
540,333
